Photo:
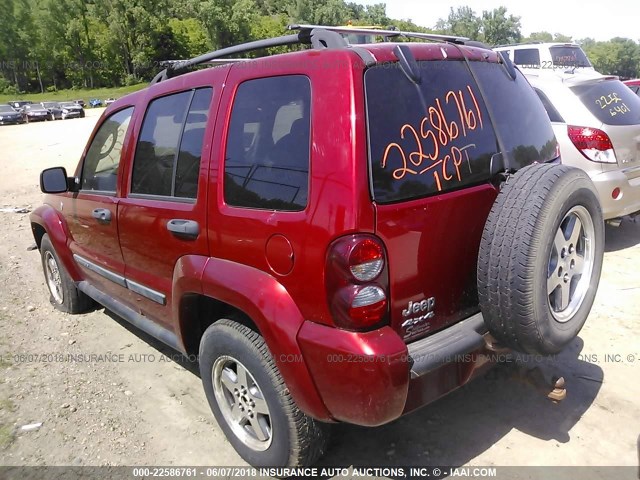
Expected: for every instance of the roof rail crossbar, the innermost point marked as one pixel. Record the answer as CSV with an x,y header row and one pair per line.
x,y
176,67
382,33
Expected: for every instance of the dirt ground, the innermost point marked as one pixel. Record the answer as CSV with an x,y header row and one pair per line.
x,y
147,409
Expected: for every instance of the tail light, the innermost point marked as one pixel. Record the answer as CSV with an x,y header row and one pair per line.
x,y
357,282
593,143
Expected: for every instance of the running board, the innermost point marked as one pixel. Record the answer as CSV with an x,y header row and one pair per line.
x,y
139,321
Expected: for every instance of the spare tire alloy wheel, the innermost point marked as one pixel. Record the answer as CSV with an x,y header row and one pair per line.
x,y
540,258
571,264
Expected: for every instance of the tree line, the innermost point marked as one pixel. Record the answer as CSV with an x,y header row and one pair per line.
x,y
46,45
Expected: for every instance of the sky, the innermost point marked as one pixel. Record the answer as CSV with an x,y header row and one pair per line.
x,y
601,20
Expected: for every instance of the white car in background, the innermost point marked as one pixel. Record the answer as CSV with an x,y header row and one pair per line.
x,y
596,120
554,56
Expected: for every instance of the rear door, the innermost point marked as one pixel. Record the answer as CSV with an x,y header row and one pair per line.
x,y
163,214
431,148
92,212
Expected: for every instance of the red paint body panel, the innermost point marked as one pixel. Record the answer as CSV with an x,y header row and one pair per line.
x,y
432,246
276,315
363,377
339,200
54,224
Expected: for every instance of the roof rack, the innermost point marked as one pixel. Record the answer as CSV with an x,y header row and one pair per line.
x,y
387,34
535,42
320,37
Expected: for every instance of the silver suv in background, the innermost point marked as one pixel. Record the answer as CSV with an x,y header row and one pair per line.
x,y
596,120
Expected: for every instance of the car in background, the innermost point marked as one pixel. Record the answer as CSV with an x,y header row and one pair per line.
x,y
79,102
72,110
634,85
54,109
95,102
567,57
597,123
19,104
109,101
37,113
10,116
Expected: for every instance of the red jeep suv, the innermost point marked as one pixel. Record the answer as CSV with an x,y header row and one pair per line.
x,y
341,233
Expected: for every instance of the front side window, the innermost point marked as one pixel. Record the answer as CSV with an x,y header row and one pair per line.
x,y
169,150
267,154
100,167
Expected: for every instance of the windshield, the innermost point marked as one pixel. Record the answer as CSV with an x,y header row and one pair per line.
x,y
569,56
439,136
610,101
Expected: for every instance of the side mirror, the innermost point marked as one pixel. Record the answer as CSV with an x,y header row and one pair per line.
x,y
54,180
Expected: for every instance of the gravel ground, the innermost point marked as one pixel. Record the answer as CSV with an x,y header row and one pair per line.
x,y
136,402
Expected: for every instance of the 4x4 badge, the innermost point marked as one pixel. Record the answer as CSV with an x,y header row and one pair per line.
x,y
416,314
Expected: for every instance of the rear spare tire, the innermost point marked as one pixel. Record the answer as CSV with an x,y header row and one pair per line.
x,y
540,258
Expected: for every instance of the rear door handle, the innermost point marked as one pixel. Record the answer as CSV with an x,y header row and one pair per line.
x,y
102,215
183,228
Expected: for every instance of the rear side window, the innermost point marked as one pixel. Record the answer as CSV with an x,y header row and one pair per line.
x,y
100,167
553,114
267,153
429,138
569,56
169,149
610,101
527,57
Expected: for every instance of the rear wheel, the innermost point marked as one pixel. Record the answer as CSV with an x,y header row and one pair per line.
x,y
251,402
540,258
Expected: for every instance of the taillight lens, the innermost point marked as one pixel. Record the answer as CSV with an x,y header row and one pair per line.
x,y
366,260
357,282
593,143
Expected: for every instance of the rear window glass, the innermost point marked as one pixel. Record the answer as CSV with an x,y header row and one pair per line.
x,y
610,101
429,138
520,119
438,136
527,57
569,57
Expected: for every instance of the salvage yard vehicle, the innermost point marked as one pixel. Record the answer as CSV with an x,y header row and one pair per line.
x,y
37,113
596,120
553,56
334,248
8,115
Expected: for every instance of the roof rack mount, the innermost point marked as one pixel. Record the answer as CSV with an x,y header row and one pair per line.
x,y
318,36
382,33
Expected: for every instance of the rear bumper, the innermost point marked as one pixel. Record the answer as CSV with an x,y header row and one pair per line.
x,y
628,181
373,378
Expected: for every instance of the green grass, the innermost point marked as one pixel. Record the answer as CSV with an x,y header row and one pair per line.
x,y
6,436
86,95
6,405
